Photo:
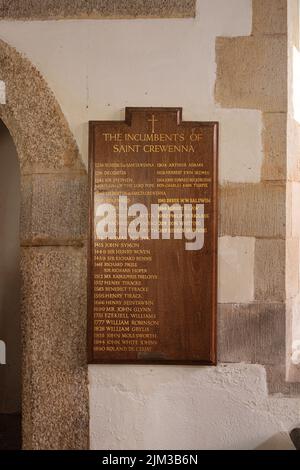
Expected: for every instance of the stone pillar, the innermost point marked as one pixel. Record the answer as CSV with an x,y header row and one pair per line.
x,y
252,73
53,267
53,232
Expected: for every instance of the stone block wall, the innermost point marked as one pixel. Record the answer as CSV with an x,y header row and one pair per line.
x,y
293,193
252,73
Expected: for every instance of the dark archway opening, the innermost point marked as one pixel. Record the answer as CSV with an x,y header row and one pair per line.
x,y
10,321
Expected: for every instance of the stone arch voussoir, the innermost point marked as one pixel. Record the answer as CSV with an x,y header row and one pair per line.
x,y
53,260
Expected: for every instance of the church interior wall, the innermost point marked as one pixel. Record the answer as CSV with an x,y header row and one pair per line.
x,y
217,66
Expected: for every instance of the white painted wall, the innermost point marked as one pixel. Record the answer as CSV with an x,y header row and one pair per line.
x,y
2,93
184,407
96,69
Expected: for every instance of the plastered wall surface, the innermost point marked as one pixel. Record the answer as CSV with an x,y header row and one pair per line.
x,y
185,408
96,69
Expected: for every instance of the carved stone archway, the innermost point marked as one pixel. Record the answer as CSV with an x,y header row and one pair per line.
x,y
53,260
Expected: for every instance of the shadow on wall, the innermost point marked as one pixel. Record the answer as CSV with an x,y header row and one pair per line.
x,y
10,328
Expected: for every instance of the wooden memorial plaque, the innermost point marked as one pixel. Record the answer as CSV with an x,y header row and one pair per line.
x,y
153,239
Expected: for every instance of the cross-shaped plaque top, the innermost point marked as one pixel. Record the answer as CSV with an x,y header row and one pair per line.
x,y
153,121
